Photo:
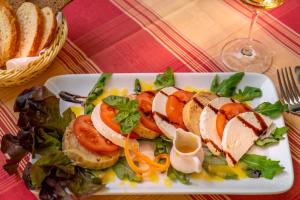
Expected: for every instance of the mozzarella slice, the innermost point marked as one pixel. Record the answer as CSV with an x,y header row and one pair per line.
x,y
207,124
159,108
240,133
107,132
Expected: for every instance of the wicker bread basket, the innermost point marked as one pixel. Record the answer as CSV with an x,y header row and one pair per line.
x,y
14,77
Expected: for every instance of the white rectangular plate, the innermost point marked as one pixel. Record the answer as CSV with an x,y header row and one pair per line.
x,y
81,84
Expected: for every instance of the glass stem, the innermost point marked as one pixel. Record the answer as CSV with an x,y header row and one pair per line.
x,y
248,50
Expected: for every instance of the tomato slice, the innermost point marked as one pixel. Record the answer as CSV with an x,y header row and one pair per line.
x,y
175,104
227,112
145,100
184,96
107,115
148,121
90,138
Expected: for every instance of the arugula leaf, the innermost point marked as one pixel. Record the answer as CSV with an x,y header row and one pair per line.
x,y
248,94
96,91
123,171
137,86
275,136
174,175
268,168
128,115
272,110
166,79
227,87
162,145
86,181
217,166
215,84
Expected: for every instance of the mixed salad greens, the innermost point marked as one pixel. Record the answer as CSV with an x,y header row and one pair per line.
x,y
52,172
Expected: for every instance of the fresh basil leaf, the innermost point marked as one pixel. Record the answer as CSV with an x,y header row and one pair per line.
x,y
123,171
86,181
117,102
174,175
166,79
129,123
272,110
248,94
268,168
227,87
128,115
137,86
121,115
96,91
274,138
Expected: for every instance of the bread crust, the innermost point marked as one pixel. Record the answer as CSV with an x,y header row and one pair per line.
x,y
37,41
38,34
52,31
84,158
9,50
192,110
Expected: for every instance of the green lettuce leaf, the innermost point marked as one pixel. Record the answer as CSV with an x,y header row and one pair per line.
x,y
166,79
272,110
274,138
123,171
247,94
266,167
85,181
53,160
227,87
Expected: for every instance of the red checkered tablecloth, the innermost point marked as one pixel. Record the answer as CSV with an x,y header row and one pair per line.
x,y
148,36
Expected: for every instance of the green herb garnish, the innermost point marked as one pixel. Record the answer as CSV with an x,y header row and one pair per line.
x,y
274,138
96,91
227,87
166,79
162,145
272,110
128,114
247,94
123,171
137,86
266,167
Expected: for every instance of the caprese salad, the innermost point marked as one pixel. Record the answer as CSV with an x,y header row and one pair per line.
x,y
192,132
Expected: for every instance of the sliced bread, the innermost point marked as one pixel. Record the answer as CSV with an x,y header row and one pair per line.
x,y
15,3
56,5
30,21
50,25
8,33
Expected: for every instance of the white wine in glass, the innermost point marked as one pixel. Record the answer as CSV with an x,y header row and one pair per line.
x,y
247,54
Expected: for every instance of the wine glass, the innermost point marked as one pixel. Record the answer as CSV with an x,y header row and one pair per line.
x,y
248,54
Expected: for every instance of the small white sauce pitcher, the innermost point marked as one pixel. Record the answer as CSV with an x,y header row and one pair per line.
x,y
187,162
